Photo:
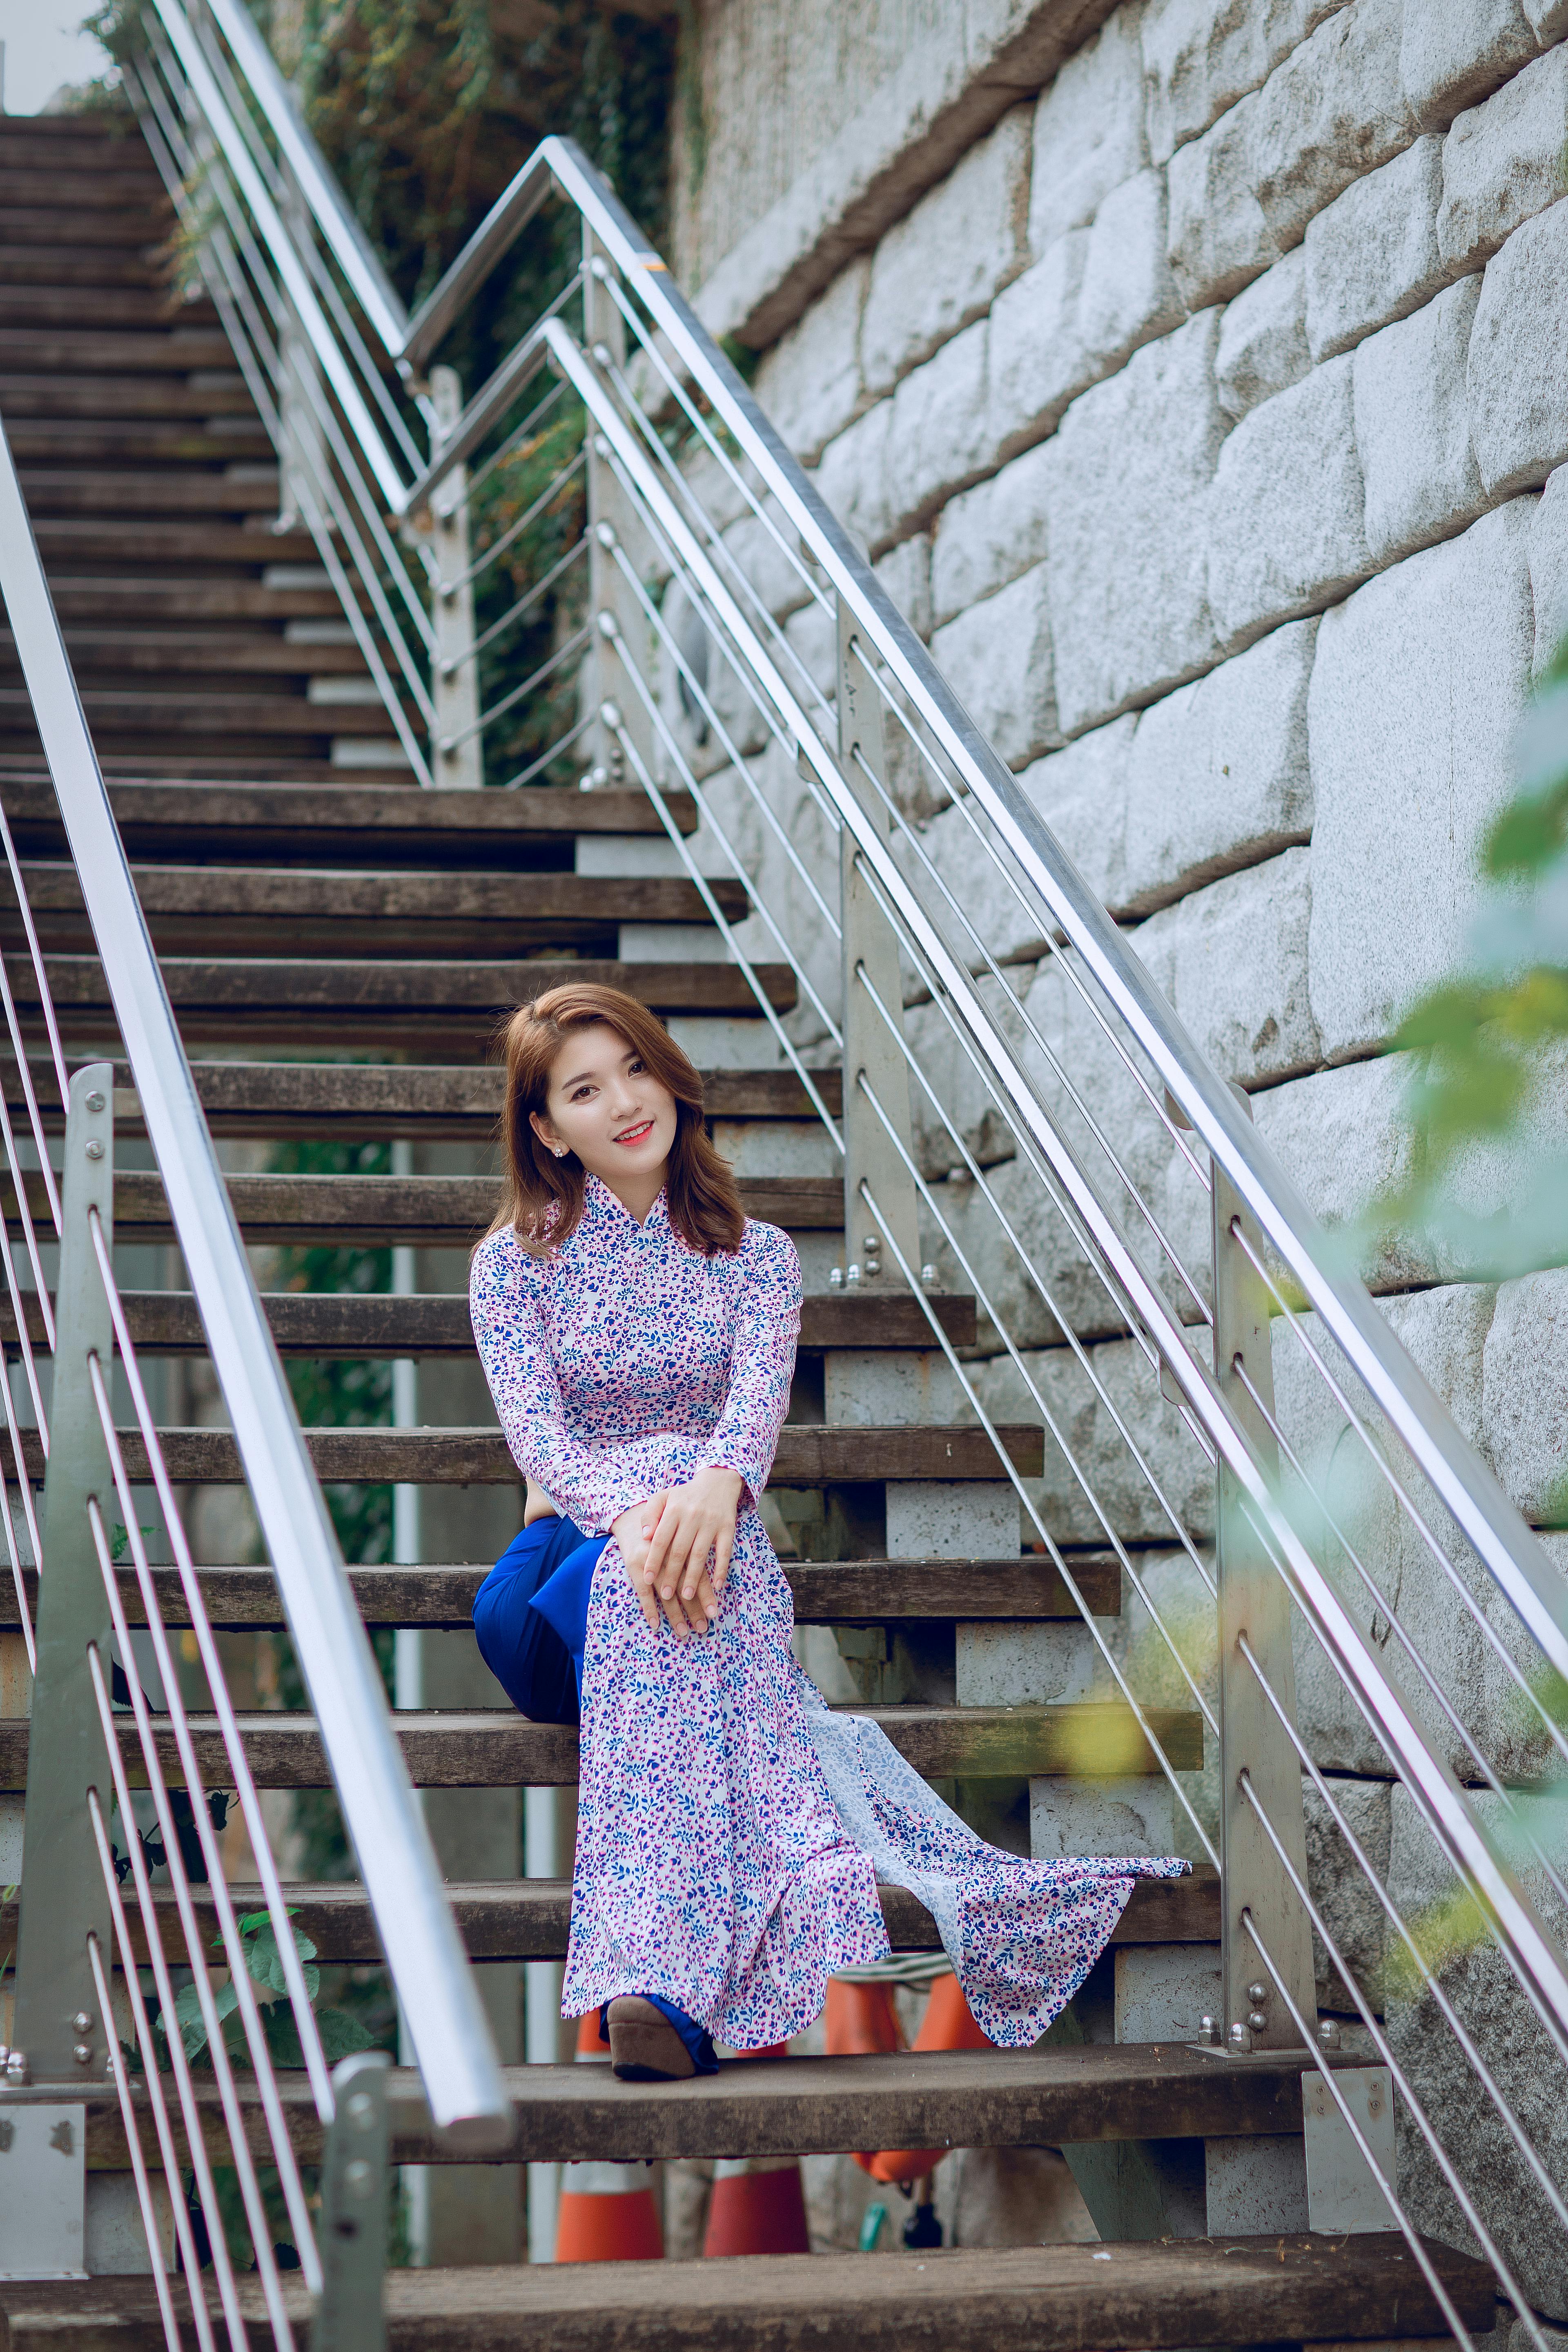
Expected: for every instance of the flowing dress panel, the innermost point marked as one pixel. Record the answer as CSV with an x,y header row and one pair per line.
x,y
732,1828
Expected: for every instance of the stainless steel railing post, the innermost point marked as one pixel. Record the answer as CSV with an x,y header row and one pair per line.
x,y
456,748
870,946
613,521
58,2034
1255,1609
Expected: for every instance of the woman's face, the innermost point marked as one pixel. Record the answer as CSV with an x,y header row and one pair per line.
x,y
605,1105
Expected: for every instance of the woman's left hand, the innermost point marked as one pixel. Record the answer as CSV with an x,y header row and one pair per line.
x,y
697,1524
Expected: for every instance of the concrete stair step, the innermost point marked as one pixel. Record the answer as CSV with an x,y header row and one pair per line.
x,y
381,1212
834,1592
294,910
1221,2291
807,1455
353,825
449,1007
528,1918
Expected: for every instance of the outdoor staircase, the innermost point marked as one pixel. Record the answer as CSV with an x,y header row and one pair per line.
x,y
304,902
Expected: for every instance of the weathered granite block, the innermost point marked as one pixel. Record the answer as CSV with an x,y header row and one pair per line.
x,y
1343,1136
1129,294
905,573
810,381
781,585
962,1095
1519,357
939,269
1513,2046
939,439
1416,688
1263,337
814,635
1126,559
852,475
1413,427
1332,112
1502,163
997,659
1201,56
1218,776
1088,130
1080,792
991,534
1219,235
1035,362
1549,568
1232,959
1352,1912
1087,1419
1371,255
1449,58
1524,1409
1285,513
1244,193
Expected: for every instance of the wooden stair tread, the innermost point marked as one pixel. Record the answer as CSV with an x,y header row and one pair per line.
x,y
348,1002
172,352
367,1324
1042,2098
375,1212
96,653
825,1592
149,489
480,1747
528,1918
1157,2295
211,394
833,1456
325,911
357,824
221,716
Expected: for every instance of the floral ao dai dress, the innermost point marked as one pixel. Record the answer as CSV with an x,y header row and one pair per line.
x,y
731,1828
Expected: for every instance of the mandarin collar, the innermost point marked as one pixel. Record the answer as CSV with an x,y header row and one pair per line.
x,y
601,1207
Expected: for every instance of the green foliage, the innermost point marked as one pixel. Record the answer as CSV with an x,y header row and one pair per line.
x,y
1490,1041
340,2032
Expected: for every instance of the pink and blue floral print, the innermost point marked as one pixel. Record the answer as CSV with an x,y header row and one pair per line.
x,y
732,1828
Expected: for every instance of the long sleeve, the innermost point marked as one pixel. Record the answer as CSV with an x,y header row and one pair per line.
x,y
767,1327
592,1484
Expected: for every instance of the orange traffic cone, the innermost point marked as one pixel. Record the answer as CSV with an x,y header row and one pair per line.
x,y
946,2025
758,2205
607,2212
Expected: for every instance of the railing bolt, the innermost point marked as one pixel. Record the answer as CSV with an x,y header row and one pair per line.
x,y
600,355
928,1275
610,715
81,2022
1329,2033
1208,2031
606,625
852,1273
1240,2039
95,1101
1257,2019
1257,1992
16,2068
94,1149
604,532
82,2054
835,1277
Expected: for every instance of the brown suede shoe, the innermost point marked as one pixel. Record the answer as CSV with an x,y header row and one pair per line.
x,y
644,2045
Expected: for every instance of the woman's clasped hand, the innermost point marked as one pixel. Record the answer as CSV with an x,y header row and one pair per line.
x,y
676,1547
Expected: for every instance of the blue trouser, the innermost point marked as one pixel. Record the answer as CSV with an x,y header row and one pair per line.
x,y
531,1617
530,1620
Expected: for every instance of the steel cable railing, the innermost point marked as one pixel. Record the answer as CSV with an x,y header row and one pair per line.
x,y
202,1998
1060,1171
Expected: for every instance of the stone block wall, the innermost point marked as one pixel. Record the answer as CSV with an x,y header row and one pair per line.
x,y
1208,411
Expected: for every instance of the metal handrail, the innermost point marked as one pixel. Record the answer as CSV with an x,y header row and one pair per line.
x,y
1510,1553
403,1880
1518,1563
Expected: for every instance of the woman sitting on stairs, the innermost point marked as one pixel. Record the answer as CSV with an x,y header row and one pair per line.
x,y
638,1334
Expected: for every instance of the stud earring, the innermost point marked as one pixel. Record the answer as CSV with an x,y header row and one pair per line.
x,y
559,1151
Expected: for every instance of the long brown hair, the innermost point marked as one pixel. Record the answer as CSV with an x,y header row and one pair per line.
x,y
543,1199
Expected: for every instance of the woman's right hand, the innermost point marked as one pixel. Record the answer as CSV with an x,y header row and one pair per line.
x,y
634,1533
